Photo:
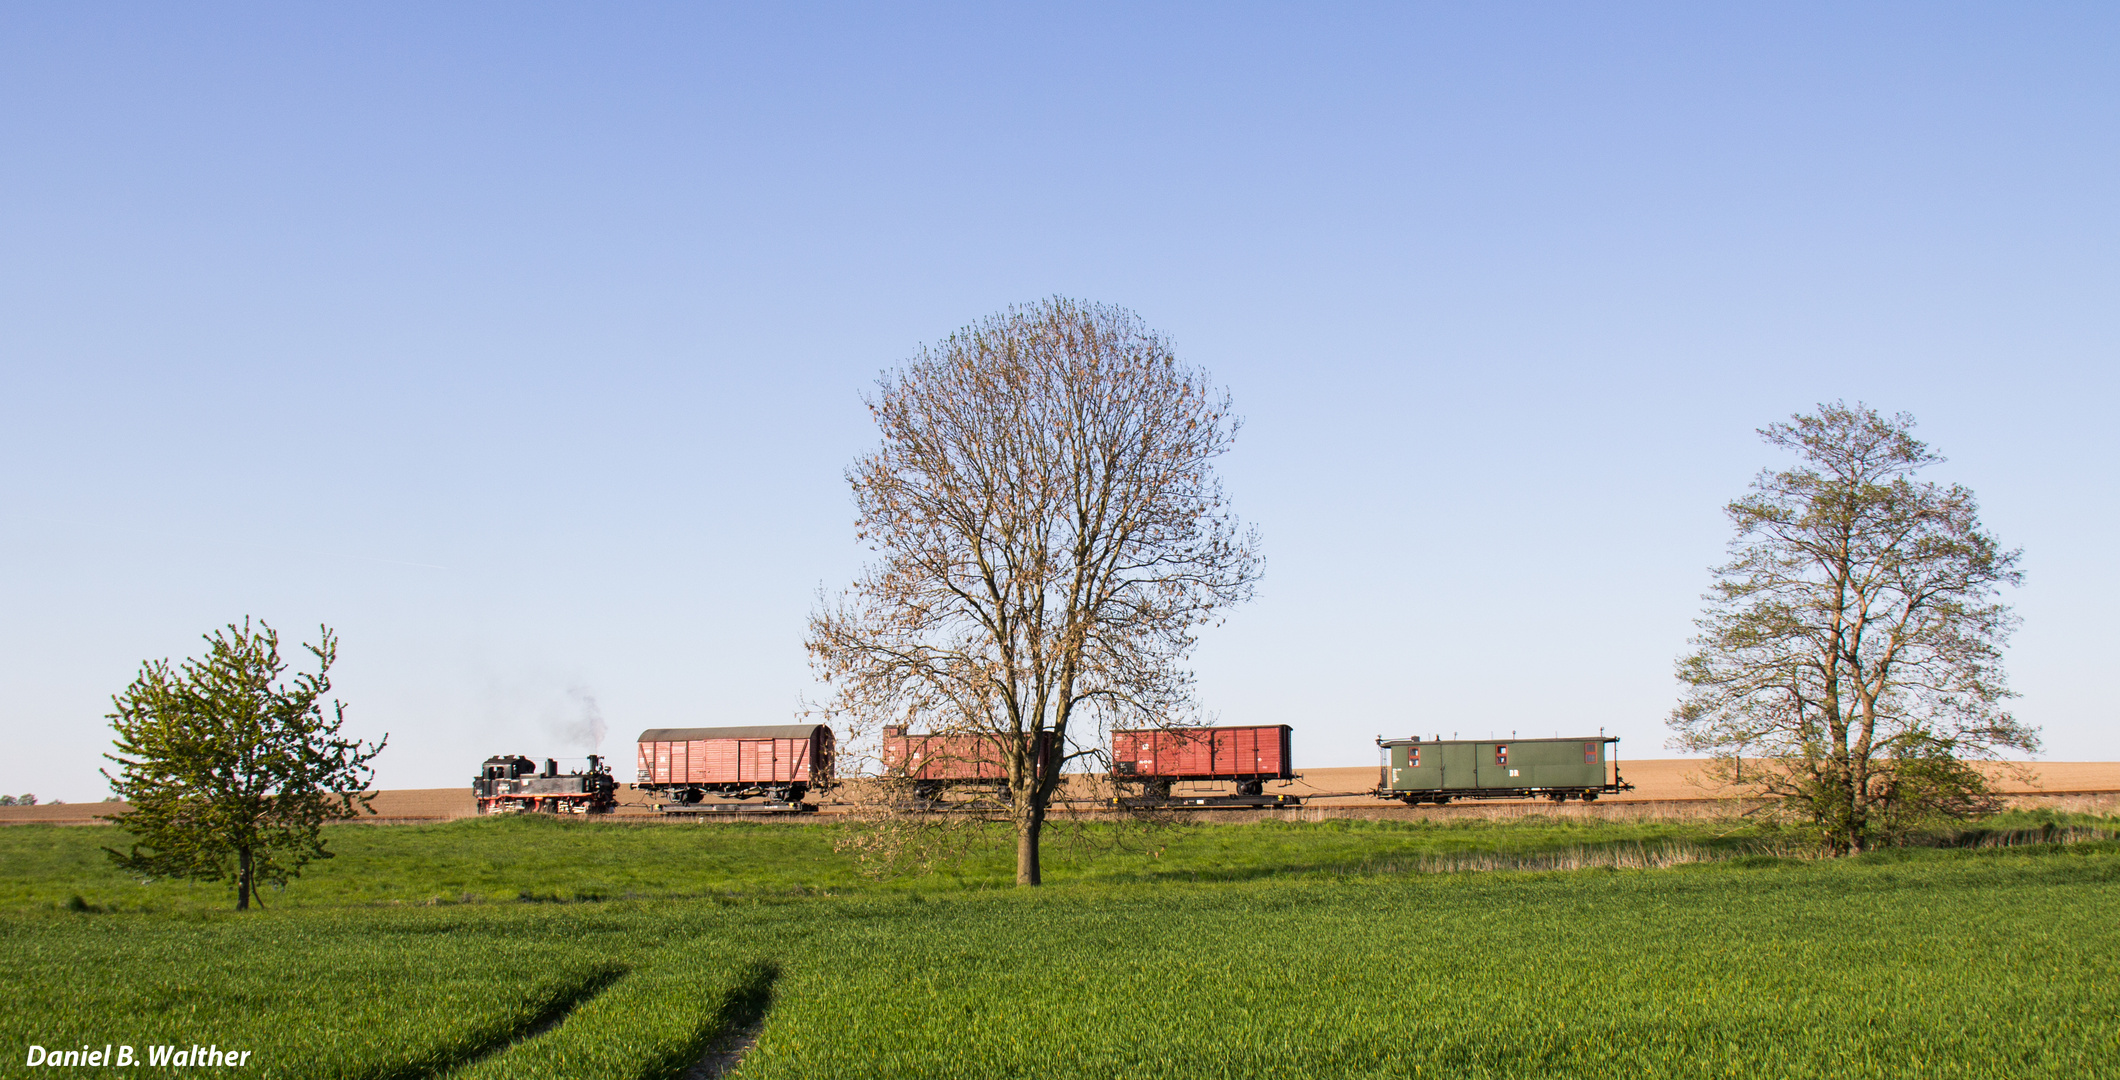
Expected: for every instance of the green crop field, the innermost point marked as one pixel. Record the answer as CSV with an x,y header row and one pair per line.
x,y
551,858
1219,951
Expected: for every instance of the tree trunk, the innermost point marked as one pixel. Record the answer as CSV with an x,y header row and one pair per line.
x,y
1027,829
243,879
1847,829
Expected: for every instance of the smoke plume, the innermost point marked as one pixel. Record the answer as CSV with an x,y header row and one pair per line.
x,y
586,728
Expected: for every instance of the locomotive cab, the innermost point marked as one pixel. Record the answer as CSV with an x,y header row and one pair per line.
x,y
507,767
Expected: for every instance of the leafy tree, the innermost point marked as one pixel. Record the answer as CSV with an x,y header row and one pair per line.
x,y
1052,535
1852,644
232,769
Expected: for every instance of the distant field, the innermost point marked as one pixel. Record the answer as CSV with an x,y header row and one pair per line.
x,y
1230,951
2079,786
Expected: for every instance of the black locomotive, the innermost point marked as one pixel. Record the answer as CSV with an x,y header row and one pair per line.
x,y
513,784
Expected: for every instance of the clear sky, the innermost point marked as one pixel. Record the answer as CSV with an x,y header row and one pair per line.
x,y
524,344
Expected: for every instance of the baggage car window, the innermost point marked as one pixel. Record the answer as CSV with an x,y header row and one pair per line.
x,y
1589,753
1501,754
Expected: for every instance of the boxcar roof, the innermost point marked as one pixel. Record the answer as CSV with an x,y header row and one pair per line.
x,y
1184,730
1490,741
766,731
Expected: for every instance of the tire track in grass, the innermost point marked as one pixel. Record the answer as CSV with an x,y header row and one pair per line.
x,y
743,1016
549,1015
682,1011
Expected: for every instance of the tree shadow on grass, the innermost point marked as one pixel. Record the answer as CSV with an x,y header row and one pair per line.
x,y
486,1042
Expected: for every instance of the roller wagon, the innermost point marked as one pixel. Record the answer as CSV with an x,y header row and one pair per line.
x,y
1157,759
713,770
967,764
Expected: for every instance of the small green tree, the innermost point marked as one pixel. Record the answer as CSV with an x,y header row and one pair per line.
x,y
232,770
1854,640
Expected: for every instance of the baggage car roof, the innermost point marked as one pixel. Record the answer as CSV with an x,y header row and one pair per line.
x,y
1490,741
1191,730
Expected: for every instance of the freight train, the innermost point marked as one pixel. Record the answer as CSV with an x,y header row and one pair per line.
x,y
717,770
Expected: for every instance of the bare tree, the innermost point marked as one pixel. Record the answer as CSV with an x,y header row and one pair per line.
x,y
1051,535
1852,644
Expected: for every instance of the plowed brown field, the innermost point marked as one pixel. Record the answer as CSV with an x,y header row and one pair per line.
x,y
1671,785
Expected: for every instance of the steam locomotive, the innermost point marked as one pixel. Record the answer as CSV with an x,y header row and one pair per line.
x,y
513,784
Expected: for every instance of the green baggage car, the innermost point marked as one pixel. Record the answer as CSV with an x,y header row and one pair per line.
x,y
1439,770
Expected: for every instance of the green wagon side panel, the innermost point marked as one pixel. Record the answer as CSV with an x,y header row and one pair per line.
x,y
1461,765
1432,766
1493,768
1499,763
1416,768
1555,763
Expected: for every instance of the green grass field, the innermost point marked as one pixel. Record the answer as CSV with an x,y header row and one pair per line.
x,y
491,859
1218,951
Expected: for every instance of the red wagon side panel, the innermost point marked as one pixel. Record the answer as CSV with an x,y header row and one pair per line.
x,y
736,757
1226,753
951,757
766,760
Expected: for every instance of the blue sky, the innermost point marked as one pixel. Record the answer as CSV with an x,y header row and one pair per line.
x,y
524,344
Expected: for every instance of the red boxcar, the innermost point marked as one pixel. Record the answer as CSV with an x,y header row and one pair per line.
x,y
780,761
936,761
1250,756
